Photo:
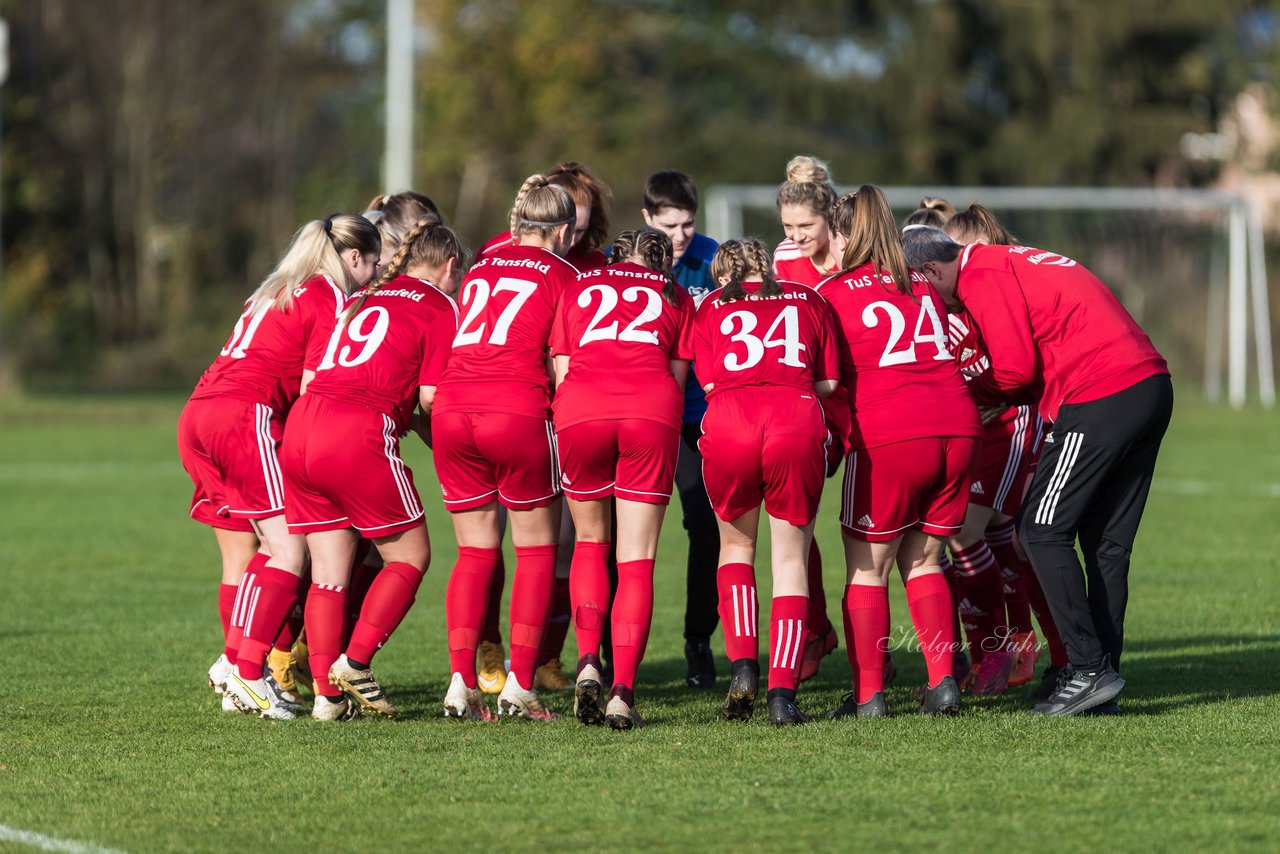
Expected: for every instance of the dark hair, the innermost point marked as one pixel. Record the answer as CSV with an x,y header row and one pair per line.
x,y
976,222
922,244
738,259
874,237
429,242
403,210
840,218
652,248
670,189
587,189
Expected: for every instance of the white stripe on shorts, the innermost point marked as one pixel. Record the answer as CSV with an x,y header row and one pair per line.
x,y
271,476
1016,444
408,496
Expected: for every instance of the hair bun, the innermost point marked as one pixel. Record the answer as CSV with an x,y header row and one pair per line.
x,y
804,169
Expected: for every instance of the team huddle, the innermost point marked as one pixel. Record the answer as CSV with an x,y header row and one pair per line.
x,y
991,404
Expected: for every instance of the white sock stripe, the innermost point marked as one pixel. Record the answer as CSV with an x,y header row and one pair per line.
x,y
253,607
753,625
737,613
235,606
1011,463
775,660
1071,443
798,646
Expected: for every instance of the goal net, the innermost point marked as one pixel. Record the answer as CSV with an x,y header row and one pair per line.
x,y
1188,264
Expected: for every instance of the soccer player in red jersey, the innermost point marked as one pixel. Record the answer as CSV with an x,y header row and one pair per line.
x,y
493,438
622,342
765,352
344,476
229,436
913,441
807,257
1056,332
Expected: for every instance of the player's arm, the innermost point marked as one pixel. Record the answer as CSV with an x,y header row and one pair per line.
x,y
824,388
680,370
307,376
559,369
995,300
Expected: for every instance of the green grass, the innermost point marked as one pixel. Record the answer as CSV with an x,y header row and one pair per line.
x,y
109,735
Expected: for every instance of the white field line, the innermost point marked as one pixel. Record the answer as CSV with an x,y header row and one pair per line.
x,y
49,843
1213,487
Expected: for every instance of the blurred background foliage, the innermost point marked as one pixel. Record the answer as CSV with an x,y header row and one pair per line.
x,y
158,154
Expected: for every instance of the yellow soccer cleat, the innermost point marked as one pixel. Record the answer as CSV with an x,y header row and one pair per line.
x,y
551,677
361,686
491,675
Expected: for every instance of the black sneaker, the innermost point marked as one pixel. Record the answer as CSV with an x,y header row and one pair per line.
x,y
942,699
744,684
851,708
1110,707
1049,682
783,710
1083,691
702,665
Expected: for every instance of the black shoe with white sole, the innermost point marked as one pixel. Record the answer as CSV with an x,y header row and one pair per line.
x,y
1085,690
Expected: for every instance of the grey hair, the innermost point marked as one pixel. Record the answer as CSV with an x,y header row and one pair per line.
x,y
922,244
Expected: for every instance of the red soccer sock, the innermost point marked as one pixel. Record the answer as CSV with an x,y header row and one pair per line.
x,y
325,618
632,617
786,640
981,593
240,607
293,622
274,593
866,633
739,610
558,620
530,601
226,602
999,537
362,578
929,599
491,631
1048,630
589,595
465,599
390,597
816,618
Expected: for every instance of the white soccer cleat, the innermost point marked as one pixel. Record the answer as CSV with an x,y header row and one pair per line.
x,y
253,697
361,686
219,672
587,692
516,702
228,704
341,709
618,715
463,702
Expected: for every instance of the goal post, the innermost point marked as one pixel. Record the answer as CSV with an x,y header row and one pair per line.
x,y
1178,258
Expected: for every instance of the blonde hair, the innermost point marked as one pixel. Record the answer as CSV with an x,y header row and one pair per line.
x,y
737,260
977,224
652,248
932,211
315,250
874,238
808,183
541,207
428,244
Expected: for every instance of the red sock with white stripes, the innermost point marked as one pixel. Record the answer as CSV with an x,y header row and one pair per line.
x,y
240,606
389,598
739,610
929,599
1048,630
589,594
631,619
786,640
866,635
325,616
491,631
999,537
273,596
465,600
530,603
816,619
226,602
981,593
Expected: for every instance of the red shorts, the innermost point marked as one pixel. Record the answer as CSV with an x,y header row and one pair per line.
x,y
342,469
919,483
632,458
999,479
764,444
229,448
481,456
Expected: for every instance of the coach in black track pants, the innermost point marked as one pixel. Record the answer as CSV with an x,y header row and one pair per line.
x,y
1054,332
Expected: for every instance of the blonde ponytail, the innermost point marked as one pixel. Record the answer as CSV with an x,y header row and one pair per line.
x,y
315,250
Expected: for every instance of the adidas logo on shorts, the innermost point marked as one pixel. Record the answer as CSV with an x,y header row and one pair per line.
x,y
976,488
865,522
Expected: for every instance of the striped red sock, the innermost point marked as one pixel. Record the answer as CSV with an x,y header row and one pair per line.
x,y
739,610
632,617
981,594
866,632
325,617
999,537
530,602
786,640
388,601
465,600
240,606
273,596
589,594
929,599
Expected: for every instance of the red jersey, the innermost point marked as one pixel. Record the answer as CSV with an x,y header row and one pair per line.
x,y
620,335
499,362
786,340
1050,326
790,265
263,360
581,261
399,340
894,359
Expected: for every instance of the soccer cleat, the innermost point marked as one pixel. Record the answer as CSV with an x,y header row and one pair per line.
x,y
301,659
1049,682
586,696
701,673
491,675
361,686
1024,669
516,702
744,684
851,708
1083,691
816,648
991,677
550,676
219,672
942,699
284,669
463,702
340,709
253,697
618,715
291,700
228,704
783,710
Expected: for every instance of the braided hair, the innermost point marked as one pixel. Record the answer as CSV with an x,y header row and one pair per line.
x,y
429,243
737,260
652,249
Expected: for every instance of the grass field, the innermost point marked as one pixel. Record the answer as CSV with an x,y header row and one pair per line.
x,y
109,736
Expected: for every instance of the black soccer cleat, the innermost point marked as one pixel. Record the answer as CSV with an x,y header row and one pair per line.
x,y
849,707
942,699
702,665
1085,690
783,710
1049,682
744,684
